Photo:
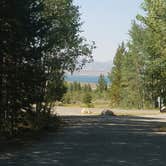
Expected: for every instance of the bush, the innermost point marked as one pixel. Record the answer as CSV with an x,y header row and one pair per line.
x,y
87,99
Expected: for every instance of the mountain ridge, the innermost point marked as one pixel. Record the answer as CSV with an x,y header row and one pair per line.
x,y
95,69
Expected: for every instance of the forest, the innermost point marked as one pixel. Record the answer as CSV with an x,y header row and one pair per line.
x,y
87,94
139,73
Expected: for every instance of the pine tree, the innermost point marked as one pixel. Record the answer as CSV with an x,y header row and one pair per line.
x,y
116,76
87,99
102,84
155,22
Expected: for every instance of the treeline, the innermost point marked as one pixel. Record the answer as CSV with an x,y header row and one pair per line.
x,y
76,92
139,73
39,41
86,93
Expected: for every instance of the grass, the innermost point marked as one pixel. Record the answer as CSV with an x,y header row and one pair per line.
x,y
136,112
99,107
94,105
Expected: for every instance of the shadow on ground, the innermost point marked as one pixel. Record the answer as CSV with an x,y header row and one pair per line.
x,y
93,141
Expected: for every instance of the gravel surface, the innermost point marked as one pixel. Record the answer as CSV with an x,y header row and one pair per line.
x,y
94,141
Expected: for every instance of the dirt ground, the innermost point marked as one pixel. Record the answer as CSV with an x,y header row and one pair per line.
x,y
76,111
95,140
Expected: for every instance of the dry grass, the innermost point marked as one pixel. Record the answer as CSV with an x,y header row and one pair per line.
x,y
98,106
76,109
136,112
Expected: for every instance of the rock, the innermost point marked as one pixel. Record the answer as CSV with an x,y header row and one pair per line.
x,y
86,111
163,109
107,113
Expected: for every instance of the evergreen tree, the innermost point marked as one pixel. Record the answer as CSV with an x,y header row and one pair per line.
x,y
140,80
155,22
116,76
87,99
133,70
102,84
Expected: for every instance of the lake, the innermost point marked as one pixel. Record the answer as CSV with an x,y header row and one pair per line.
x,y
84,78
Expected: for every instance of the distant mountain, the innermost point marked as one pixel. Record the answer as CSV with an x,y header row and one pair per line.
x,y
96,68
99,66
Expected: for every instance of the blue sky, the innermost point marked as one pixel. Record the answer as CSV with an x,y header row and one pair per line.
x,y
107,22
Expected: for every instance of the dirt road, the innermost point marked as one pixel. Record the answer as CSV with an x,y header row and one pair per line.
x,y
94,141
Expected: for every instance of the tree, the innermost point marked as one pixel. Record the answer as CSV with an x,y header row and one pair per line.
x,y
116,76
39,41
155,22
133,69
87,99
140,80
102,84
17,60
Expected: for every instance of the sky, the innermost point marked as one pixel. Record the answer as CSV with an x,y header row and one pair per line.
x,y
107,22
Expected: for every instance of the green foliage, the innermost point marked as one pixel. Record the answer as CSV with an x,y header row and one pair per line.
x,y
139,79
87,88
75,92
73,96
156,66
87,99
116,76
39,41
102,84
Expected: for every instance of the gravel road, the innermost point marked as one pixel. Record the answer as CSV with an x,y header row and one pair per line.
x,y
94,141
